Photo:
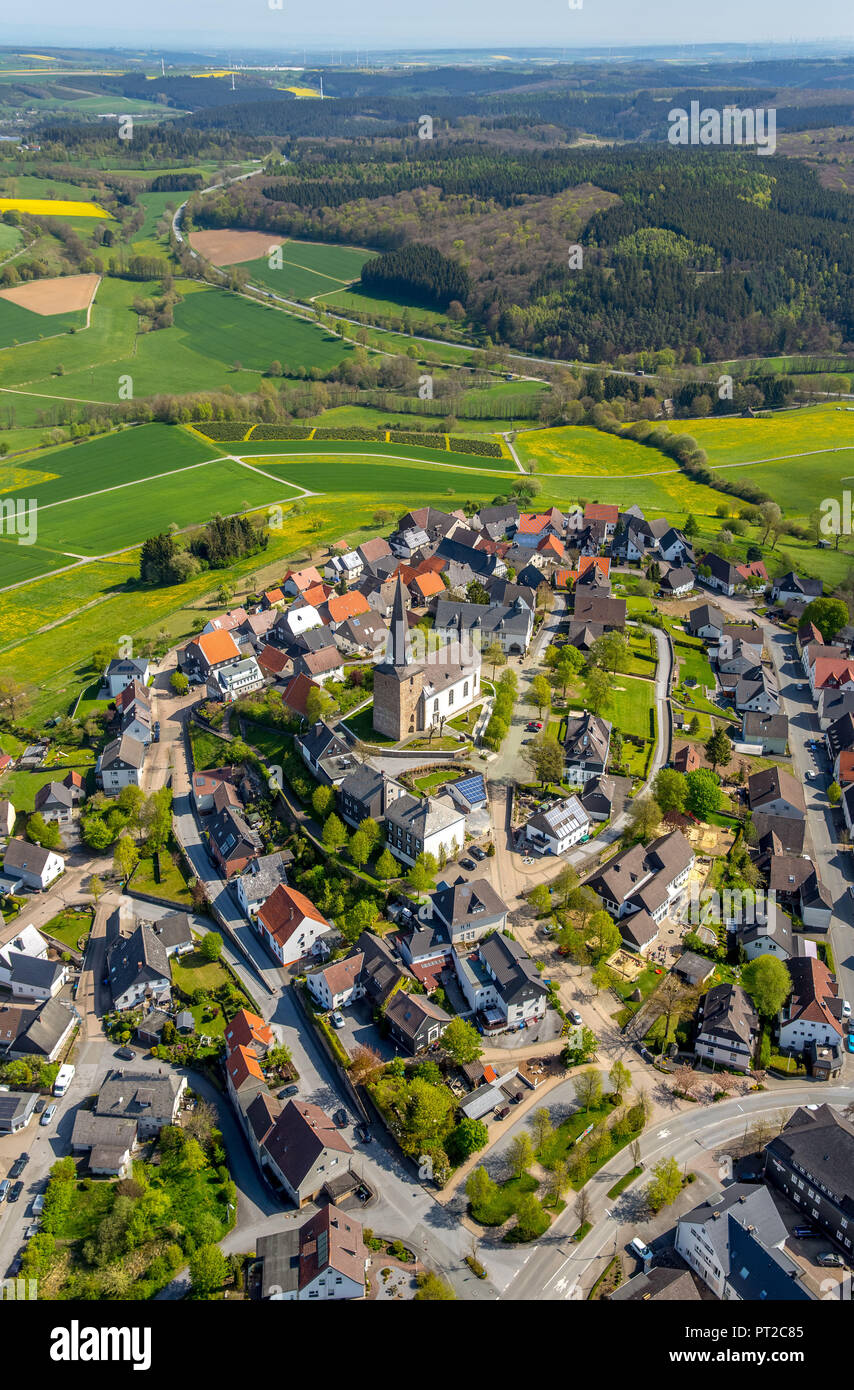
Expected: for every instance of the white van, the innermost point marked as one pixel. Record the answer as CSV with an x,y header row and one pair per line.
x,y
63,1079
638,1248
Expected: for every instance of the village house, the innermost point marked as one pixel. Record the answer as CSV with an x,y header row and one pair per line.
x,y
468,909
290,926
231,842
727,1027
586,745
813,1011
555,828
31,865
124,670
120,764
55,802
260,879
325,1258
424,825
501,983
304,1151
138,967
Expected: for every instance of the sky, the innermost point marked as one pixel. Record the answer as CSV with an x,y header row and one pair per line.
x,y
432,24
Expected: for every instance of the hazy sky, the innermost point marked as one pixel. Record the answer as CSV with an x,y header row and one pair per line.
x,y
204,24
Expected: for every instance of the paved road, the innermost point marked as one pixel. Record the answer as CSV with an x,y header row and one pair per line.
x,y
555,1268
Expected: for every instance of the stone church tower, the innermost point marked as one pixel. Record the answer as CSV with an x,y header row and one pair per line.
x,y
399,680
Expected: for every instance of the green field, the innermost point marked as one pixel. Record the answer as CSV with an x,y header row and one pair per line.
x,y
308,269
380,307
588,454
110,493
10,240
356,451
18,325
791,432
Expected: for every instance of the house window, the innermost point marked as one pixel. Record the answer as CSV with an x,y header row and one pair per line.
x,y
450,697
466,690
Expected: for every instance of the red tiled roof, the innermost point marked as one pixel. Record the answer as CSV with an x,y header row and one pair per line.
x,y
241,1064
602,562
602,511
273,660
218,646
246,1029
296,691
284,912
532,523
303,579
846,766
349,605
317,593
428,584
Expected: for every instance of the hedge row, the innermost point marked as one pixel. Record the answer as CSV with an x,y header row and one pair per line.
x,y
475,446
432,441
225,433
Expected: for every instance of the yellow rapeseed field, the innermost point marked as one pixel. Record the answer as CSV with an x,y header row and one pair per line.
x,y
51,207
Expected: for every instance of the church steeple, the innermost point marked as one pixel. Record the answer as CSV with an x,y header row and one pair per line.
x,y
401,650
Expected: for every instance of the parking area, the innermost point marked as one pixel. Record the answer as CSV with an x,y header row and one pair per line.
x,y
360,1031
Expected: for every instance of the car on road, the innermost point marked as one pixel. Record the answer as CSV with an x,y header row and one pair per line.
x,y
48,1115
15,1266
363,1133
467,864
802,1232
830,1260
575,1017
15,1191
533,726
127,1054
337,1020
341,1118
846,1009
19,1165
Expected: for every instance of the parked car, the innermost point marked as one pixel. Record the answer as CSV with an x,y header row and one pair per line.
x,y
38,1204
575,1017
846,1009
48,1115
4,1189
477,853
638,1248
850,1041
337,1020
533,726
363,1133
341,1118
19,1165
40,1105
830,1260
802,1232
127,1054
467,864
15,1191
288,1091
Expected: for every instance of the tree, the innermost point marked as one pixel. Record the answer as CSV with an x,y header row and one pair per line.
x,y
828,614
670,789
603,936
125,857
673,1002
494,656
317,704
481,1190
566,884
462,1041
770,517
360,849
834,793
531,1219
685,1079
545,756
703,796
609,651
520,1155
768,983
387,866
691,527
364,1063
208,1270
540,899
371,831
211,947
433,1289
598,690
421,875
321,800
179,682
334,833
567,666
467,1138
718,749
542,1127
665,1184
644,820
539,694
96,889
44,833
588,1088
620,1077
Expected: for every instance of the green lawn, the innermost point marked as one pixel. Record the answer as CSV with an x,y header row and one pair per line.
x,y
427,785
308,269
630,705
208,749
172,885
19,325
193,971
69,926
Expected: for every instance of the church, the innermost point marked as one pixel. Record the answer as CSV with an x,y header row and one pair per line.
x,y
412,696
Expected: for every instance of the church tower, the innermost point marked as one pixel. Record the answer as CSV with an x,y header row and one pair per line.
x,y
399,679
